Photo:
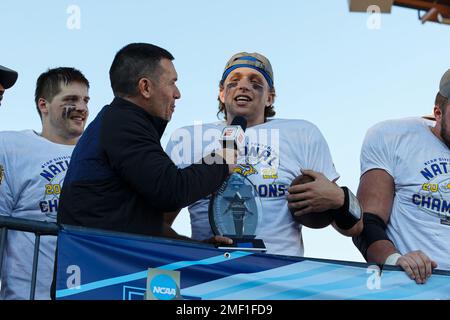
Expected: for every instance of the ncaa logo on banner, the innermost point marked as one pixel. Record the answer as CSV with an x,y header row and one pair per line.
x,y
163,285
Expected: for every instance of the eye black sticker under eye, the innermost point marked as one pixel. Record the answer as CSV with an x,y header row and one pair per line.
x,y
257,86
67,110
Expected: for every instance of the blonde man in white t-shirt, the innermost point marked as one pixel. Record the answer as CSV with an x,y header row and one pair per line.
x,y
276,150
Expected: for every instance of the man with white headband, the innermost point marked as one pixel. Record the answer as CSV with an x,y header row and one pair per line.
x,y
276,151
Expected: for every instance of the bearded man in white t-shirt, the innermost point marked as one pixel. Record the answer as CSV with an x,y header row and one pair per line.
x,y
32,170
276,152
405,191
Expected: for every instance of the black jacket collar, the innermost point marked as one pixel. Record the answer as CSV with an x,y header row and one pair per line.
x,y
157,122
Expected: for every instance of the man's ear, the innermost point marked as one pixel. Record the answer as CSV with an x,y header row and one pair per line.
x,y
221,94
42,105
270,99
437,113
145,87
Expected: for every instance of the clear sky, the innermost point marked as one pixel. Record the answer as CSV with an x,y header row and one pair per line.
x,y
330,68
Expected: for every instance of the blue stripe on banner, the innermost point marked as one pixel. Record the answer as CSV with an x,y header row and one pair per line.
x,y
262,280
314,283
143,274
212,260
323,288
101,284
295,276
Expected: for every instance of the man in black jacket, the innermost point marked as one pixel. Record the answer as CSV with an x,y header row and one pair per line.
x,y
119,177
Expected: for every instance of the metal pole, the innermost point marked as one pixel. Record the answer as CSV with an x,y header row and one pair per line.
x,y
35,264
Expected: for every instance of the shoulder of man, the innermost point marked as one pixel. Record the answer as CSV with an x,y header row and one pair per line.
x,y
10,138
117,121
291,123
398,126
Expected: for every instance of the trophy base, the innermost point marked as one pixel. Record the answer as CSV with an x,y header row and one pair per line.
x,y
248,243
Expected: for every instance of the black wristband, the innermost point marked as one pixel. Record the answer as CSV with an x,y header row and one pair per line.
x,y
350,213
374,230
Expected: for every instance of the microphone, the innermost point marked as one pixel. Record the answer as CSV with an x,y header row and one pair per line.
x,y
233,136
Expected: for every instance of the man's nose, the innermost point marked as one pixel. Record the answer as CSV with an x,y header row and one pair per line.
x,y
244,84
82,106
177,94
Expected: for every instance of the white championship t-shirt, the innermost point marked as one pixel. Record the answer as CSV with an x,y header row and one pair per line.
x,y
31,176
420,165
275,152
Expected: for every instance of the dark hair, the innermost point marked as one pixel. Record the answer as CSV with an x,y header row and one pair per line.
x,y
48,85
441,102
268,111
133,62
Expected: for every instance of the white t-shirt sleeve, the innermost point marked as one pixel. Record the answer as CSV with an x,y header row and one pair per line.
x,y
376,151
6,195
318,155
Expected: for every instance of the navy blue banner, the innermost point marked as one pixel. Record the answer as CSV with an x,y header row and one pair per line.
x,y
103,265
